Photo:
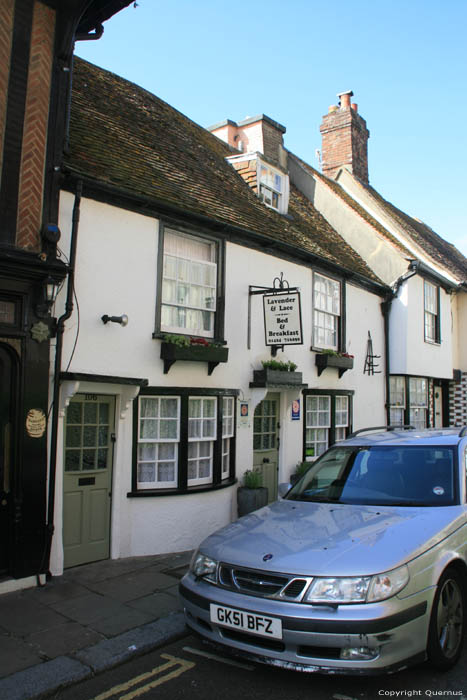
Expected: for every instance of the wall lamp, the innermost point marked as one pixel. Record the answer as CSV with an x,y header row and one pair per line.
x,y
49,290
122,320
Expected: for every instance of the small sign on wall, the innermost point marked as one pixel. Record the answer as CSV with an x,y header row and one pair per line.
x,y
296,409
243,414
283,319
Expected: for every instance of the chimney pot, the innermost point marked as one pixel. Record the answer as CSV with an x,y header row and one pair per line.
x,y
354,106
345,98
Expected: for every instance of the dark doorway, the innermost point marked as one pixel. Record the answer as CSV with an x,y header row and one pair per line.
x,y
8,372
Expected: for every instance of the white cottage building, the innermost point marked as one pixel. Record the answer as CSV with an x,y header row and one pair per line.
x,y
425,358
162,399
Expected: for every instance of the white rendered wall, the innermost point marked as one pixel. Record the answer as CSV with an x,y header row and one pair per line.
x,y
115,274
409,353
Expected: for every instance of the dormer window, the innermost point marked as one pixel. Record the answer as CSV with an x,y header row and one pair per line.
x,y
270,183
270,186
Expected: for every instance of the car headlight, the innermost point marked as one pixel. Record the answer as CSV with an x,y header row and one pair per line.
x,y
338,590
358,589
203,566
386,585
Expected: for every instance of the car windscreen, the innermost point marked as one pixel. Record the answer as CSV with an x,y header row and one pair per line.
x,y
381,475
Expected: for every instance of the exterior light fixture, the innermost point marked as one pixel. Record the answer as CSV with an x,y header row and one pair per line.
x,y
122,320
48,294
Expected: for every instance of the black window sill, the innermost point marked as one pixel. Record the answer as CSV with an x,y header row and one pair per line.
x,y
149,493
211,354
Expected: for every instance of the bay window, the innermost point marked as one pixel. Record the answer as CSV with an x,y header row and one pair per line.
x,y
185,440
408,401
327,420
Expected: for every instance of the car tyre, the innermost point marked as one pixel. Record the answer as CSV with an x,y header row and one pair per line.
x,y
447,622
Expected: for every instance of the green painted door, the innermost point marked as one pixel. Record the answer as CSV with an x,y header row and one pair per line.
x,y
87,479
266,442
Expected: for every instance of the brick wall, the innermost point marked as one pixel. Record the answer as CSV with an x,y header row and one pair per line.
x,y
6,28
248,170
35,128
344,143
272,141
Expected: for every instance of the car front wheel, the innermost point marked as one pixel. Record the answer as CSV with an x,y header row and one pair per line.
x,y
447,623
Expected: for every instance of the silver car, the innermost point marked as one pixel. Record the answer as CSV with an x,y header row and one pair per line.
x,y
360,568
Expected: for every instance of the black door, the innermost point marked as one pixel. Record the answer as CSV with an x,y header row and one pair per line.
x,y
7,397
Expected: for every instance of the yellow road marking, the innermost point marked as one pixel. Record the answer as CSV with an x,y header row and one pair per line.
x,y
123,687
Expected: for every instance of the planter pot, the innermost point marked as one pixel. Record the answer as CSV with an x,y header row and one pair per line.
x,y
249,500
170,353
274,377
323,360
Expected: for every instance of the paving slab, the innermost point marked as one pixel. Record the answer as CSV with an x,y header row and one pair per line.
x,y
22,616
126,620
132,586
88,608
157,604
64,639
15,655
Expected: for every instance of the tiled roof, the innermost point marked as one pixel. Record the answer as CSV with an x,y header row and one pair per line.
x,y
361,211
440,251
123,136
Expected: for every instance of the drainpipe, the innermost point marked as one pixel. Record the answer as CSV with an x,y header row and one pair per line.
x,y
385,310
58,362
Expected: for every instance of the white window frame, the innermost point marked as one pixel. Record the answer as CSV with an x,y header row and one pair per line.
x,y
397,400
264,188
418,408
326,318
196,440
157,442
198,310
228,428
318,430
431,312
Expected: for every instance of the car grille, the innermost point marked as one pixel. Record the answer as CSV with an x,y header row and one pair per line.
x,y
263,583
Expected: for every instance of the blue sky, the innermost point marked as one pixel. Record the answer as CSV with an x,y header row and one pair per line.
x,y
405,60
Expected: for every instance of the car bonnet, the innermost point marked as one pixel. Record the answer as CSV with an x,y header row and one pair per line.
x,y
328,539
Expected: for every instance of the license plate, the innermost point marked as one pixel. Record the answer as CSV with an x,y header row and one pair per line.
x,y
262,625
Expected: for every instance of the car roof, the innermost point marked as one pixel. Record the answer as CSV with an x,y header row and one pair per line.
x,y
429,437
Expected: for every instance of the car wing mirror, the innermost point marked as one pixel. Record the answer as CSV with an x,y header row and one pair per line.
x,y
283,489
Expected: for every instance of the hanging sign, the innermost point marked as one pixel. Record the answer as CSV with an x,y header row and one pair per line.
x,y
283,318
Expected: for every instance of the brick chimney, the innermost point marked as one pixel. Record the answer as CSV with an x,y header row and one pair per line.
x,y
344,139
260,133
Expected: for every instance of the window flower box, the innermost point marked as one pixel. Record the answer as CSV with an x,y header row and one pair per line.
x,y
274,377
276,373
211,353
342,362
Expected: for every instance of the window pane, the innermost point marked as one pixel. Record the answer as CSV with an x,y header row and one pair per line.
x,y
74,413
189,285
397,391
149,408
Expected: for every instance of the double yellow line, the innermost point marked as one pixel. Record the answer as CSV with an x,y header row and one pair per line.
x,y
179,666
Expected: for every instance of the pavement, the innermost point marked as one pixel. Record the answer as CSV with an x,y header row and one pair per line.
x,y
90,619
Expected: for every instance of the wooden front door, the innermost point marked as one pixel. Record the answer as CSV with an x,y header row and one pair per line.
x,y
266,442
87,478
